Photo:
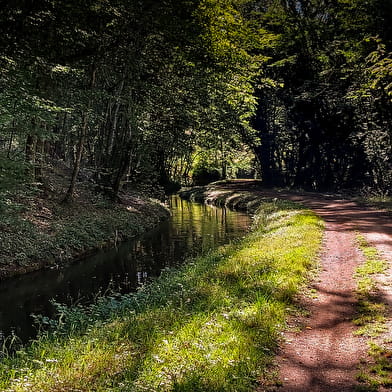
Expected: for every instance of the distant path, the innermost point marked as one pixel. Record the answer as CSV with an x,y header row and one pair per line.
x,y
324,355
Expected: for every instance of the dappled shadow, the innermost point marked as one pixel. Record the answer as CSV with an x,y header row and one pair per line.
x,y
342,215
325,354
324,351
347,214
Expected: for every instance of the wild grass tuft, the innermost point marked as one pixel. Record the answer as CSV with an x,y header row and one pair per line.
x,y
211,325
371,320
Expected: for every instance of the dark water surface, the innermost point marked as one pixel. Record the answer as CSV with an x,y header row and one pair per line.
x,y
192,229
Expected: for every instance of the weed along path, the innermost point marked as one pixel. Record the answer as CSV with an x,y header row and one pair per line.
x,y
321,352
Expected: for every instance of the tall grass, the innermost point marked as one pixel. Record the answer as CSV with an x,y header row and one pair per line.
x,y
211,325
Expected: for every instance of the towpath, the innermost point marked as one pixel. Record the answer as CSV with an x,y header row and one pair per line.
x,y
323,355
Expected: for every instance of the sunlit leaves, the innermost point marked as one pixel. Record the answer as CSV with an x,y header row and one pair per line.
x,y
380,68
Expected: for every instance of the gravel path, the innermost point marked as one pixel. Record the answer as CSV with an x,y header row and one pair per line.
x,y
325,354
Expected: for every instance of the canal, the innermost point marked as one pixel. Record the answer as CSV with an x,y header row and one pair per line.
x,y
192,229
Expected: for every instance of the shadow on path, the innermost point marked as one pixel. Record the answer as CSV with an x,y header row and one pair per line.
x,y
324,355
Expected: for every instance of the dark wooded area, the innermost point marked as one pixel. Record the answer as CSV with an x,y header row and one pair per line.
x,y
127,92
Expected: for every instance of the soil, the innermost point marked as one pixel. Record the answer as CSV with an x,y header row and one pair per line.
x,y
325,355
320,351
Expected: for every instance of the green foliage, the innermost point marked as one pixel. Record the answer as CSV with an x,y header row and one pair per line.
x,y
323,116
306,88
12,174
70,233
204,175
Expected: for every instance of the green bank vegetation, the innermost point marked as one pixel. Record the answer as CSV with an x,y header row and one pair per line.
x,y
371,320
38,232
211,325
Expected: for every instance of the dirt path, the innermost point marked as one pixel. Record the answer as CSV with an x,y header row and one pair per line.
x,y
321,353
325,354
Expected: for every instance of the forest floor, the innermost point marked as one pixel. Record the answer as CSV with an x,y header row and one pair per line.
x,y
38,230
322,350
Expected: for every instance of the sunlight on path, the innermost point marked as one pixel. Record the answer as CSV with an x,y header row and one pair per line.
x,y
324,355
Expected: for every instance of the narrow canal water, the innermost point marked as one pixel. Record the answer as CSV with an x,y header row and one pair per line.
x,y
192,229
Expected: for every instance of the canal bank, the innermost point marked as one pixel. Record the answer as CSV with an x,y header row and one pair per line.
x,y
191,229
211,324
41,232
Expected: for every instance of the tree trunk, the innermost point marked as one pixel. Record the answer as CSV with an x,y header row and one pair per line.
x,y
82,140
223,160
39,159
69,197
122,170
264,151
31,142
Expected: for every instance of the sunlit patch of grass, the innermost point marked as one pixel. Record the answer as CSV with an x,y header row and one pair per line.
x,y
371,312
371,320
211,325
380,372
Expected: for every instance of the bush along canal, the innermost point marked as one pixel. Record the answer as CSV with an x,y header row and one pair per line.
x,y
210,324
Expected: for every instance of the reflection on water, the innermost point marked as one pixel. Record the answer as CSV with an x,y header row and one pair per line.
x,y
192,229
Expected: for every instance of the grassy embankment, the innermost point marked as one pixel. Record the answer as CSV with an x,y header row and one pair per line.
x,y
372,320
211,325
37,232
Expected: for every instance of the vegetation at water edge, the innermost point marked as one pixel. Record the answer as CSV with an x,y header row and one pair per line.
x,y
211,325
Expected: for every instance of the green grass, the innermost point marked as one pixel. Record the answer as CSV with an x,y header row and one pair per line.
x,y
371,315
371,320
211,325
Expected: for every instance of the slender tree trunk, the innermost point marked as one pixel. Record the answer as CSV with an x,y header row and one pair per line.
x,y
79,154
223,160
101,142
13,129
115,119
31,142
122,170
82,140
10,142
39,159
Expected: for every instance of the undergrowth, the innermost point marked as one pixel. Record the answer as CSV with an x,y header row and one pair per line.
x,y
211,325
377,201
69,233
371,320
